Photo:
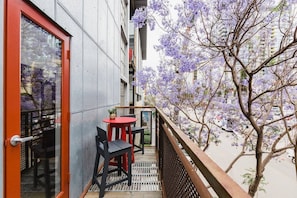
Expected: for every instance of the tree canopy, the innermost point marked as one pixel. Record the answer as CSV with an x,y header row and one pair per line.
x,y
227,64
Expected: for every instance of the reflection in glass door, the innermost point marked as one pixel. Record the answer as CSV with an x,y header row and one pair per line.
x,y
40,95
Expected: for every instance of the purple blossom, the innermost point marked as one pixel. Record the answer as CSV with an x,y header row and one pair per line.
x,y
244,82
145,76
291,2
155,4
140,16
159,7
169,43
151,24
211,26
194,6
188,63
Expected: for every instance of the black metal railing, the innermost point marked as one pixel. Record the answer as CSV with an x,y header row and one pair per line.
x,y
186,171
31,124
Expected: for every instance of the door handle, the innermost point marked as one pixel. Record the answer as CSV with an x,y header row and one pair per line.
x,y
16,139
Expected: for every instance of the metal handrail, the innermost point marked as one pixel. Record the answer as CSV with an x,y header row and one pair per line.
x,y
220,182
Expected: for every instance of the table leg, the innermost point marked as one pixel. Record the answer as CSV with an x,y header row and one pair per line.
x,y
123,137
125,157
131,142
109,129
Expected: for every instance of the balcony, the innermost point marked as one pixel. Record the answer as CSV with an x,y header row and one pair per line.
x,y
183,170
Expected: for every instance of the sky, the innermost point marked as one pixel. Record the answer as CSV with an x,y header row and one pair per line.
x,y
152,57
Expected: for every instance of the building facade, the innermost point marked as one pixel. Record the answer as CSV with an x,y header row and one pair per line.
x,y
71,56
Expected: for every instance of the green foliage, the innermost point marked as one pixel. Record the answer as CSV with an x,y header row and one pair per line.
x,y
248,179
243,74
112,111
279,7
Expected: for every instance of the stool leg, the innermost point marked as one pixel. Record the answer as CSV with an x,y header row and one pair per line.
x,y
95,171
119,160
133,139
103,179
47,179
142,142
35,173
129,167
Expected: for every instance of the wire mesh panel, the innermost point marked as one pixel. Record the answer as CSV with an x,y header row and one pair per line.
x,y
175,177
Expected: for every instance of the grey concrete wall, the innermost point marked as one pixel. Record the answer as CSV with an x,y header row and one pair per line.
x,y
94,74
1,97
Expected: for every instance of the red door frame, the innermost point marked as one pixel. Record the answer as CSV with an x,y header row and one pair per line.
x,y
13,11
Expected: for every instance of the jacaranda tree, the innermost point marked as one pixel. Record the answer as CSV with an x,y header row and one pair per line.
x,y
227,64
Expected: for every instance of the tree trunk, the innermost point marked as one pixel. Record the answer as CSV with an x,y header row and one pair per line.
x,y
259,170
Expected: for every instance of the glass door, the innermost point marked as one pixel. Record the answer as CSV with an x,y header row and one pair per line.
x,y
36,104
40,93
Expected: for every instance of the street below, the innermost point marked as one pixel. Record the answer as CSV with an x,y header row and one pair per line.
x,y
280,175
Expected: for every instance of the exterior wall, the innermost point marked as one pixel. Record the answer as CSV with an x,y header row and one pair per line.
x,y
95,77
134,35
138,66
94,74
124,53
1,96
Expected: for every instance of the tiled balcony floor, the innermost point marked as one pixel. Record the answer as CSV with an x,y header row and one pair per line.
x,y
134,191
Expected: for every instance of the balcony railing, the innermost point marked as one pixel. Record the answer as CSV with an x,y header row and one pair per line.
x,y
186,171
31,126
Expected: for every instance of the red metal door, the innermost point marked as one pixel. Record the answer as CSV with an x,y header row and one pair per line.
x,y
36,66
